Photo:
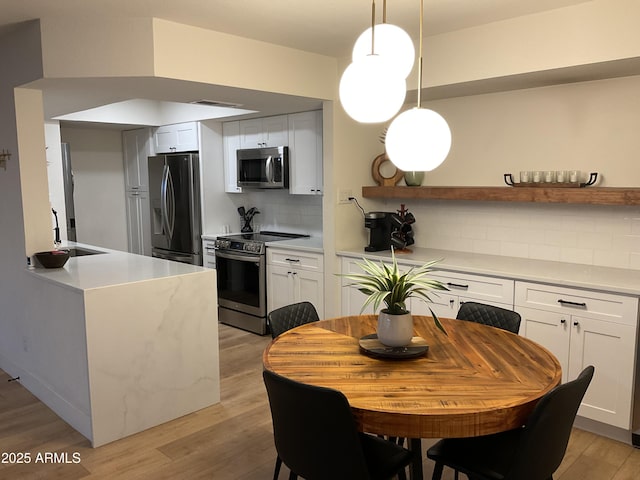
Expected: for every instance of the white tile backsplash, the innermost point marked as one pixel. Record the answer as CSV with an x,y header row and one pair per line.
x,y
585,234
283,212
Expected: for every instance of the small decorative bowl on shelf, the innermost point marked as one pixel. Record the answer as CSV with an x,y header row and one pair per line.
x,y
52,258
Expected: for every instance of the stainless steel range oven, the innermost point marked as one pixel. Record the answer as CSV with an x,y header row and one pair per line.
x,y
242,279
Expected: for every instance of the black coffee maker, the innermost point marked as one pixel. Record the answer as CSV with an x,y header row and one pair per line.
x,y
379,224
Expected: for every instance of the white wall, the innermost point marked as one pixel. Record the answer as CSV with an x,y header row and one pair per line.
x,y
99,198
218,208
590,126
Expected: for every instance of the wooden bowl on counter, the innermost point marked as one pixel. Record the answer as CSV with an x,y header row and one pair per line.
x,y
52,258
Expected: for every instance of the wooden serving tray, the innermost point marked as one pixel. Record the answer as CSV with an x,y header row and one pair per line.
x,y
371,346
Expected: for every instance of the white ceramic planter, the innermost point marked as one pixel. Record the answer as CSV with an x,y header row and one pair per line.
x,y
395,330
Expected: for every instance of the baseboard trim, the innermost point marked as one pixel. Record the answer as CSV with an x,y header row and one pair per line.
x,y
79,420
599,428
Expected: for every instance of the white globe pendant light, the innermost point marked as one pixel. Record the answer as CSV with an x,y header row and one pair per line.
x,y
392,43
371,89
418,140
371,92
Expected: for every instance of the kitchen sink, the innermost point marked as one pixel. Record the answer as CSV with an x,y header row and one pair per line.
x,y
81,252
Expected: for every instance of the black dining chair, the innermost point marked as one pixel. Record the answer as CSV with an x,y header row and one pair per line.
x,y
490,315
316,435
289,316
532,452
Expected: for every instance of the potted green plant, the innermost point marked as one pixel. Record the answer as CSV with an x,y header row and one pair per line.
x,y
383,283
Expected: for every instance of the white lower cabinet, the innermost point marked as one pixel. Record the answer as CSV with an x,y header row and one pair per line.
x,y
138,222
208,254
465,287
352,298
136,147
584,328
462,287
294,276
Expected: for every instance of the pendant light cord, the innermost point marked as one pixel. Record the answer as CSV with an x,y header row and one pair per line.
x,y
420,55
373,24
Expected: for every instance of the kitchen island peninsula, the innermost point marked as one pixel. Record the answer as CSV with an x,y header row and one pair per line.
x,y
130,342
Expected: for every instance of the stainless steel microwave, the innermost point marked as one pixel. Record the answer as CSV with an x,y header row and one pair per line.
x,y
266,167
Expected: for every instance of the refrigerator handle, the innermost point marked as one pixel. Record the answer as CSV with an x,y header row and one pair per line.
x,y
269,169
164,201
171,201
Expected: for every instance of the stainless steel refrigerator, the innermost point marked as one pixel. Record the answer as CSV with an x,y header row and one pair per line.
x,y
174,197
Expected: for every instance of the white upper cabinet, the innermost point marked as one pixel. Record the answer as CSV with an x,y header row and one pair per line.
x,y
301,132
231,143
305,153
180,137
264,132
136,146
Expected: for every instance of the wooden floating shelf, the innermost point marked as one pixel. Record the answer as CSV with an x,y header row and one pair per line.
x,y
586,195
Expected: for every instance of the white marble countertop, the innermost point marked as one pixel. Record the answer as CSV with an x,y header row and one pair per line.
x,y
111,268
606,279
306,244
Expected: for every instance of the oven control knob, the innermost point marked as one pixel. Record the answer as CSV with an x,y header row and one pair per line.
x,y
252,247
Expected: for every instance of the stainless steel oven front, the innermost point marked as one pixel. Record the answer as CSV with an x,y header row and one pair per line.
x,y
242,292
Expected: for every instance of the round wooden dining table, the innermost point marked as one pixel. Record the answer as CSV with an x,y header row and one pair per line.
x,y
475,380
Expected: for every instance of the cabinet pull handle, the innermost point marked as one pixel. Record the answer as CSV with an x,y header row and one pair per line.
x,y
563,321
575,324
458,285
451,302
295,260
573,304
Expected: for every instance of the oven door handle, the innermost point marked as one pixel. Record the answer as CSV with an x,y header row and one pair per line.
x,y
240,257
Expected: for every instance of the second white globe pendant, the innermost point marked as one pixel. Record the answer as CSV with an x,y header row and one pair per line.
x,y
370,91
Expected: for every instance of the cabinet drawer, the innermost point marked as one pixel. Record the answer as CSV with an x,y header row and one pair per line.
x,y
478,287
616,308
295,258
208,254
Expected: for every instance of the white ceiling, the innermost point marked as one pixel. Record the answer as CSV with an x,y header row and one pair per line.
x,y
328,27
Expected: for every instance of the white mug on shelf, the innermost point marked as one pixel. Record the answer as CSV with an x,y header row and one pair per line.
x,y
574,176
537,176
562,176
549,176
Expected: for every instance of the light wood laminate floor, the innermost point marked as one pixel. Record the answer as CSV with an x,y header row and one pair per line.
x,y
232,440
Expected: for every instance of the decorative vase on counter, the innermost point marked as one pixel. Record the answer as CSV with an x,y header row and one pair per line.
x,y
395,330
413,179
